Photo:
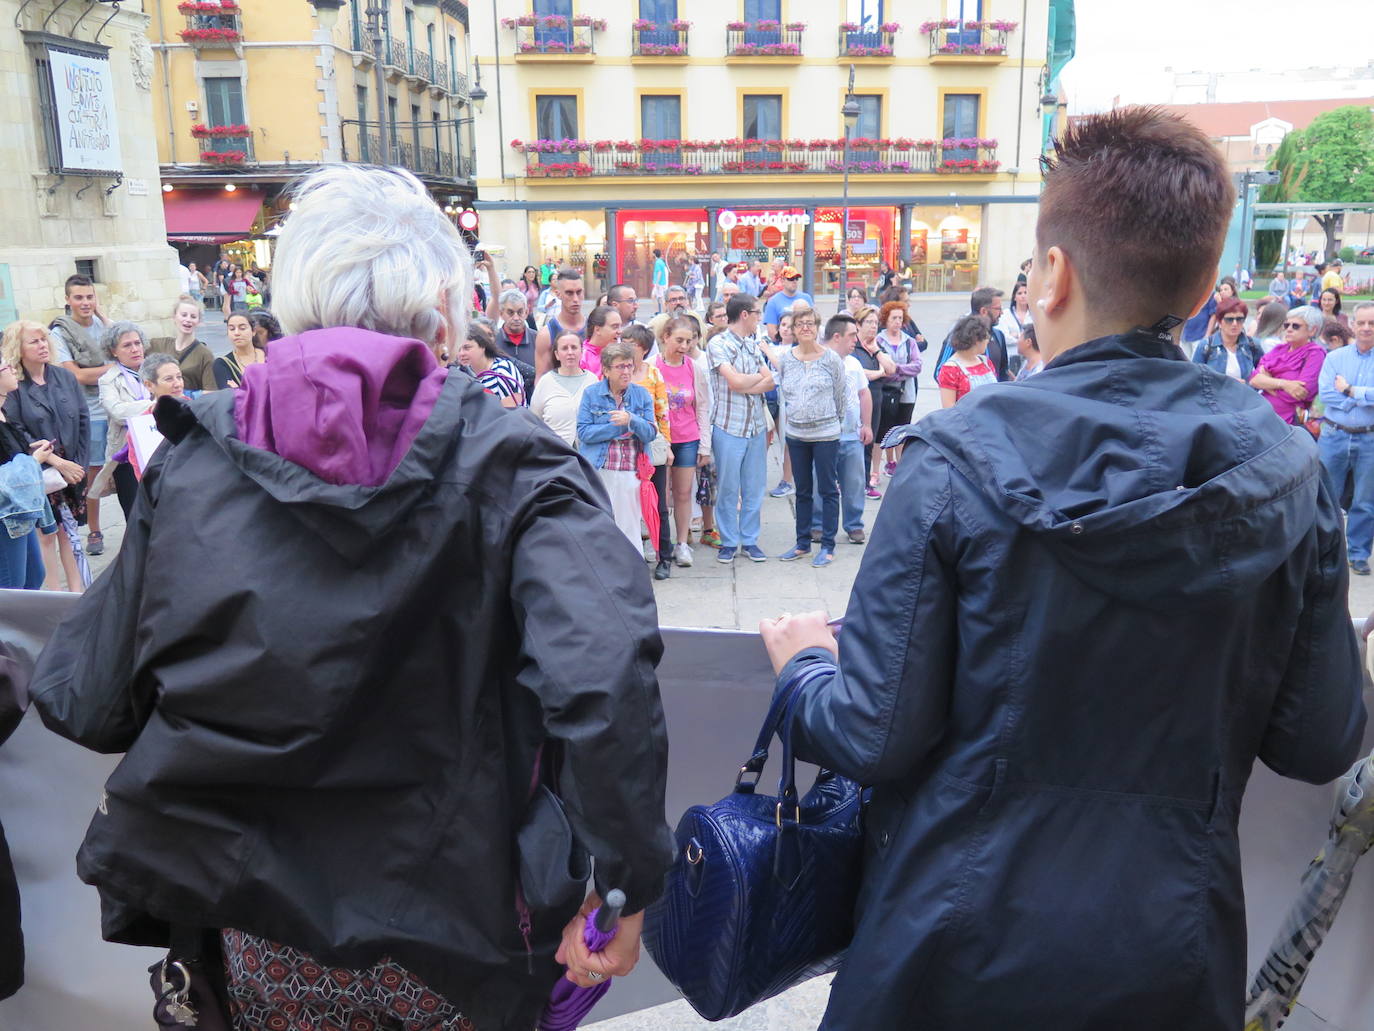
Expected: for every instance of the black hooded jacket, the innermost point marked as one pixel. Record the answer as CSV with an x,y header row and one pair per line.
x,y
1092,600
331,698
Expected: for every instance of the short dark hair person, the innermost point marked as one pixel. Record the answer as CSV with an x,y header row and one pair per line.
x,y
740,304
1139,202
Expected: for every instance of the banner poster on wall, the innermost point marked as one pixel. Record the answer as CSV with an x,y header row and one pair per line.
x,y
83,100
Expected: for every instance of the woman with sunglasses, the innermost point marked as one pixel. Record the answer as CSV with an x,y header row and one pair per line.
x,y
1287,375
1229,351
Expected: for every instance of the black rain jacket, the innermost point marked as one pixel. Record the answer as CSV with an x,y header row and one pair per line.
x,y
1091,600
331,698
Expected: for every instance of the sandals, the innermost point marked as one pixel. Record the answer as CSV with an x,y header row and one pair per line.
x,y
95,543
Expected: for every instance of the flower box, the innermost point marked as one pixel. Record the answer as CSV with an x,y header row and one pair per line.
x,y
662,50
204,132
224,157
208,8
765,49
210,35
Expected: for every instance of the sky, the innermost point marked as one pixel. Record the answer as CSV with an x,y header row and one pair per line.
x,y
1125,47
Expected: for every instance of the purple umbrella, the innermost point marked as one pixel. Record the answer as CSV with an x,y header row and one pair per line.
x,y
569,1002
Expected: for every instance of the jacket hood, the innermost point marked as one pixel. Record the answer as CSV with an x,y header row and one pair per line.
x,y
1153,479
346,427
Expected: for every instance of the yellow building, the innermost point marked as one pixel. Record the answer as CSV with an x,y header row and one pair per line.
x,y
620,127
249,95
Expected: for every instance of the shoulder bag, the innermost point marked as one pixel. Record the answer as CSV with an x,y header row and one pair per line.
x,y
761,895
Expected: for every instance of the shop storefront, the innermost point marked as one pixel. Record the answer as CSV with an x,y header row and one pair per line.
x,y
873,239
681,234
945,245
576,239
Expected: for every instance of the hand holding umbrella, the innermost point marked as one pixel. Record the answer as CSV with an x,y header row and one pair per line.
x,y
591,960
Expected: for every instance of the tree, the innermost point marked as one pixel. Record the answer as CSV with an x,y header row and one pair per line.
x,y
1329,162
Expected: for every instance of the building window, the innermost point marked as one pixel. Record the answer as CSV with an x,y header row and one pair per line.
x,y
556,119
1269,149
452,63
662,13
964,11
224,106
562,8
86,267
868,127
365,148
660,118
410,41
961,122
763,10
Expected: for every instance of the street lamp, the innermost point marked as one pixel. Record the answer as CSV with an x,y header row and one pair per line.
x,y
328,13
850,113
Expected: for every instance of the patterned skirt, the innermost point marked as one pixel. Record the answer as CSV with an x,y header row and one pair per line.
x,y
274,987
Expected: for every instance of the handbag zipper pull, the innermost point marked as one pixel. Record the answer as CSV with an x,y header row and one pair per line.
x,y
525,928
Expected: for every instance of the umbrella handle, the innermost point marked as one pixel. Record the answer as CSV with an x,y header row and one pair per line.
x,y
608,915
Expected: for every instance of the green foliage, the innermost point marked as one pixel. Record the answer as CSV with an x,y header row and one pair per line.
x,y
1347,254
1331,160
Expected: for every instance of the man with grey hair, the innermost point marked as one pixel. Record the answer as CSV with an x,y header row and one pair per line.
x,y
678,304
1346,387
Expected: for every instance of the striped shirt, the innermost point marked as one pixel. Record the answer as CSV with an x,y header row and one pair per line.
x,y
740,415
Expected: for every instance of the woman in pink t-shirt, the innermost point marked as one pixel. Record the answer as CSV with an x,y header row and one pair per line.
x,y
968,367
689,422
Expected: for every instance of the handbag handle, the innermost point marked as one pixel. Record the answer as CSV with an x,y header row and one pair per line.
x,y
773,723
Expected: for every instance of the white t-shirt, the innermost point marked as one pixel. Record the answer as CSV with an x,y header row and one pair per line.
x,y
188,279
1232,364
557,399
858,381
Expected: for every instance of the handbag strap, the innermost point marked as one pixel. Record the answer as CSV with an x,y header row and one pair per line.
x,y
773,723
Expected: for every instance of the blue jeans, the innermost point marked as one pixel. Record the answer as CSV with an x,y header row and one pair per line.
x,y
21,561
853,476
813,469
741,476
1343,454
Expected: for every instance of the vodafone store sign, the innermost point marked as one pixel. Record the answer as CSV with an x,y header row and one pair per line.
x,y
729,220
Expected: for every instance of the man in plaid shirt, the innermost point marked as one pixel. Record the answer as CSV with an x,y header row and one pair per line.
x,y
739,430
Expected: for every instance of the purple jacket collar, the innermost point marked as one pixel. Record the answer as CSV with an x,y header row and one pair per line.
x,y
344,403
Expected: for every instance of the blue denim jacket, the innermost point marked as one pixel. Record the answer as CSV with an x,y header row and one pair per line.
x,y
1211,352
23,503
594,429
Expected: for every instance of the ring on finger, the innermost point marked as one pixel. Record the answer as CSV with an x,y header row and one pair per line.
x,y
595,975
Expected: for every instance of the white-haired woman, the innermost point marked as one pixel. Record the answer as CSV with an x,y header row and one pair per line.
x,y
1287,375
330,752
123,395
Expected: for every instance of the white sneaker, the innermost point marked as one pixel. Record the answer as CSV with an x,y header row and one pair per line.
x,y
682,554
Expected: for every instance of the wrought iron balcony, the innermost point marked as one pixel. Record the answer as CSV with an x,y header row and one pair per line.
x,y
433,149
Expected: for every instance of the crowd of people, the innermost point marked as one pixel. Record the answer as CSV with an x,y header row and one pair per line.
x,y
853,381
79,383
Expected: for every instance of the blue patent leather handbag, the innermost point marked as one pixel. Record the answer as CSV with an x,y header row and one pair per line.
x,y
761,895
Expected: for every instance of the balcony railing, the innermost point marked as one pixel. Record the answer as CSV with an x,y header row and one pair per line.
x,y
764,39
422,64
425,148
536,35
877,43
667,40
589,159
226,150
459,85
398,55
201,16
440,77
950,39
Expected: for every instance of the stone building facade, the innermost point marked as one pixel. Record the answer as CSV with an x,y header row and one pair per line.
x,y
79,184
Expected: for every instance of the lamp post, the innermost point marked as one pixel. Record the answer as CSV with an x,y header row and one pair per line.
x,y
850,113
